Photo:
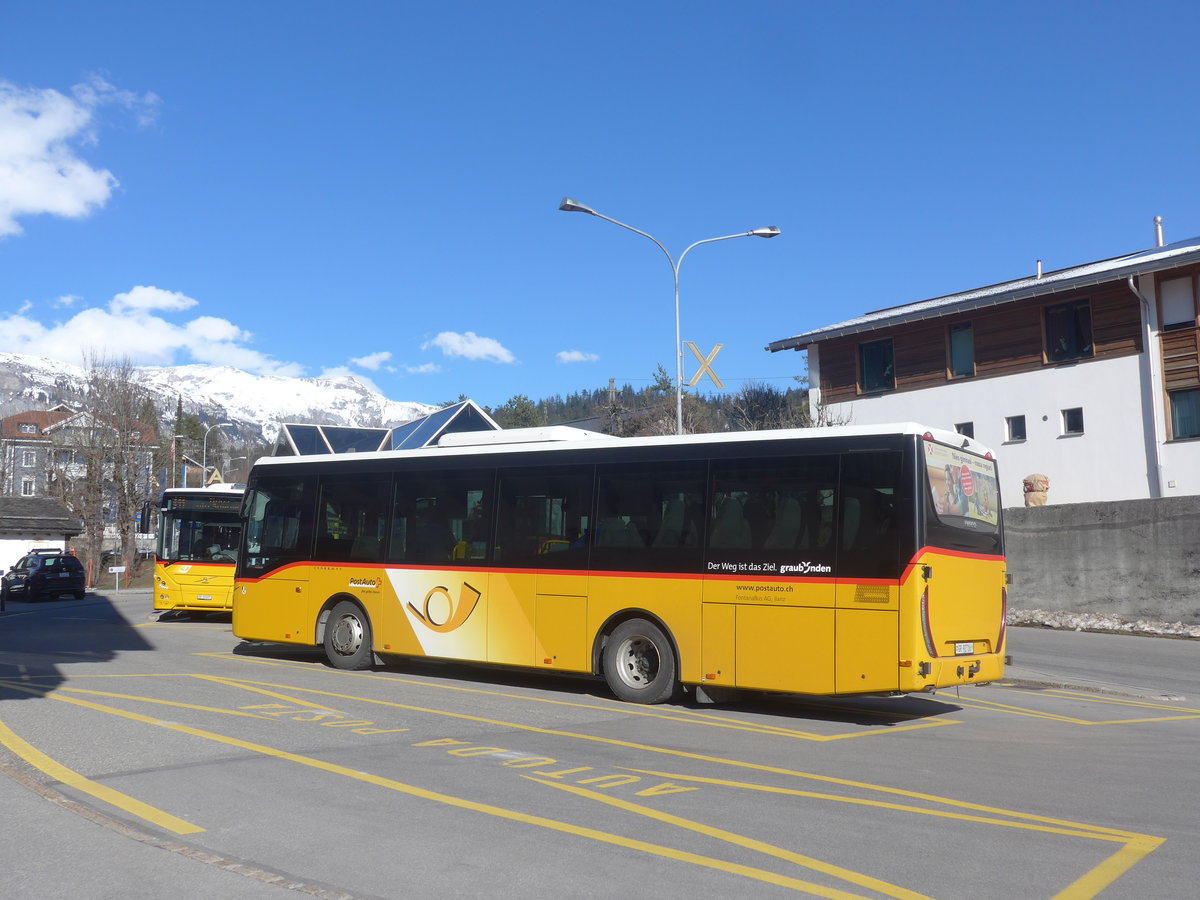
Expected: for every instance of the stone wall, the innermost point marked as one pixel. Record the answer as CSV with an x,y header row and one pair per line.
x,y
1131,558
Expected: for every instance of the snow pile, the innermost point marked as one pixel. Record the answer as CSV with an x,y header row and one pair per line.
x,y
1072,621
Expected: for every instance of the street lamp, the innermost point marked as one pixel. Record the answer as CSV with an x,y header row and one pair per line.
x,y
569,205
204,451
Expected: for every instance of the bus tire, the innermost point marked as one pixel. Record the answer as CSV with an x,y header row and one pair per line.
x,y
348,637
639,663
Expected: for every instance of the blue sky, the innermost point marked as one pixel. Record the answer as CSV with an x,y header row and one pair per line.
x,y
307,188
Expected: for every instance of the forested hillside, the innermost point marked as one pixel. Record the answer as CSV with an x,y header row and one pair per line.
x,y
627,412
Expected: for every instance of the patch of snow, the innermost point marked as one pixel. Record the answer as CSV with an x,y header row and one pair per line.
x,y
1070,621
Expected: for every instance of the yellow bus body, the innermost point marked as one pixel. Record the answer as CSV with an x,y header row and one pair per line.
x,y
870,564
193,586
729,631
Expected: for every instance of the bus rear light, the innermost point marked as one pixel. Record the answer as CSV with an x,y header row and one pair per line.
x,y
1003,620
926,632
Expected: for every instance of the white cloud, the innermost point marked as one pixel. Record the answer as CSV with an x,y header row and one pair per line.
x,y
210,329
426,369
372,361
576,356
133,326
470,346
150,298
67,300
40,130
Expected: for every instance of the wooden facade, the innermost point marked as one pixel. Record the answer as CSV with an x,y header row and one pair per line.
x,y
1180,346
1008,340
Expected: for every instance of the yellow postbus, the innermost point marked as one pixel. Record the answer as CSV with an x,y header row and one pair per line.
x,y
198,534
820,561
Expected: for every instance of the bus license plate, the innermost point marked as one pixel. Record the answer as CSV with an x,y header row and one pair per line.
x,y
964,648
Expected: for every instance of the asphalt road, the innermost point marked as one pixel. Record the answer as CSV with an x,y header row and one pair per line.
x,y
148,758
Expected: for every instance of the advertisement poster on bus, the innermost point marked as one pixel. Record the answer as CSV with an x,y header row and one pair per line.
x,y
962,485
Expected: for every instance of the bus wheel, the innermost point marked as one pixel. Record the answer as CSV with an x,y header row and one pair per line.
x,y
639,663
348,637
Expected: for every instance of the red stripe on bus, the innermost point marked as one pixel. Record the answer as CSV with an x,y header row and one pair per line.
x,y
608,573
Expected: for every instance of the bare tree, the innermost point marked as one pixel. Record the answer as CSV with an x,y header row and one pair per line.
x,y
101,464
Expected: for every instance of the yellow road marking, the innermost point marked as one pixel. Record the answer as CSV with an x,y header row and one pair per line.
x,y
1137,846
71,778
1014,820
175,703
1093,882
685,717
1012,709
1068,829
808,862
474,806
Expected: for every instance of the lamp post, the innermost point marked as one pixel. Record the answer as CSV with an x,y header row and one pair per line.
x,y
204,451
569,205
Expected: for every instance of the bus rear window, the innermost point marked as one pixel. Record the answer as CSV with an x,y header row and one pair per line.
x,y
963,488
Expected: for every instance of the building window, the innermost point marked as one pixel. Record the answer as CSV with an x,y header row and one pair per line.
x,y
1185,414
1069,331
26,428
1072,420
1178,304
876,371
1014,428
962,350
26,487
28,458
966,429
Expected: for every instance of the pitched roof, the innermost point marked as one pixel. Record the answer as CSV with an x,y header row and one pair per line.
x,y
1104,271
42,418
49,420
37,515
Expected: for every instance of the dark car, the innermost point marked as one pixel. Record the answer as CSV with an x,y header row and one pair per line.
x,y
40,575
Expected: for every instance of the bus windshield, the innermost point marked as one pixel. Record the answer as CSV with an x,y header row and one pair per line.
x,y
199,530
963,488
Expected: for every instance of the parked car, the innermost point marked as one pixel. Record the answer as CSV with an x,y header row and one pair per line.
x,y
42,575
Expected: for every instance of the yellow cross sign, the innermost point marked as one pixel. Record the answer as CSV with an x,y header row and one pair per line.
x,y
705,365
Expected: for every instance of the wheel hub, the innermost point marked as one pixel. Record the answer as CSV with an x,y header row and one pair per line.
x,y
639,662
347,635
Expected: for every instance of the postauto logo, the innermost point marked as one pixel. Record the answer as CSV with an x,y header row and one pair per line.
x,y
442,613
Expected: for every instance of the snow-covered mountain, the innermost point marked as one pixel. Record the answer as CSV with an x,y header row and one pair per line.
x,y
254,404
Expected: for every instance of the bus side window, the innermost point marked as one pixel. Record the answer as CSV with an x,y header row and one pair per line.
x,y
442,518
353,520
544,517
869,532
772,511
649,516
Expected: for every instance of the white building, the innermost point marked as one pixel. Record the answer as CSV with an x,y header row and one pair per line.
x,y
1089,375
